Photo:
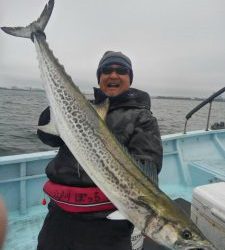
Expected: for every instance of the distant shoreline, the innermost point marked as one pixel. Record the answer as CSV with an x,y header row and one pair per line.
x,y
153,97
22,89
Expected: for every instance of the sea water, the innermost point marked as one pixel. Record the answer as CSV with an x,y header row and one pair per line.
x,y
20,111
19,114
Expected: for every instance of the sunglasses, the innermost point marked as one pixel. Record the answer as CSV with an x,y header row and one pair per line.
x,y
119,70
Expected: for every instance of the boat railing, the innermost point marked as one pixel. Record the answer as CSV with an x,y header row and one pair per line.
x,y
19,174
202,104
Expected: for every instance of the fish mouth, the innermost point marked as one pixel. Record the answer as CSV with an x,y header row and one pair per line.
x,y
199,248
194,246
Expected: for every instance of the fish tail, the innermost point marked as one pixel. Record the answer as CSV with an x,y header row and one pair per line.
x,y
37,26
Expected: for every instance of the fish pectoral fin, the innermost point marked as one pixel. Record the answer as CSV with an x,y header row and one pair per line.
x,y
49,129
102,108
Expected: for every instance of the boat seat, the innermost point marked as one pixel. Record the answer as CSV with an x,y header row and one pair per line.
x,y
215,168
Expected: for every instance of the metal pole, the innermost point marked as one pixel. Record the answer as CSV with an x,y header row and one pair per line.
x,y
185,126
209,113
23,198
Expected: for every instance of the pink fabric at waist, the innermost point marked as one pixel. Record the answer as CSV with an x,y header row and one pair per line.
x,y
78,199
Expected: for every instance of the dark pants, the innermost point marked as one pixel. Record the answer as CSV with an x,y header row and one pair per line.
x,y
73,231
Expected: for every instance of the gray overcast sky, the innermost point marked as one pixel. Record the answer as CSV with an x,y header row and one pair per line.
x,y
177,47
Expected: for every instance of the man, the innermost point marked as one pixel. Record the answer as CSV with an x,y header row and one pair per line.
x,y
68,225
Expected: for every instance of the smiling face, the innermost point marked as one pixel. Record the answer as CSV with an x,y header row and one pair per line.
x,y
114,82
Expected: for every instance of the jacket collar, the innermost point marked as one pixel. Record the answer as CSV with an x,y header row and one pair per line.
x,y
131,98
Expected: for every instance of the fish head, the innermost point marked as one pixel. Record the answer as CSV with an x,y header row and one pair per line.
x,y
176,230
177,237
191,238
194,243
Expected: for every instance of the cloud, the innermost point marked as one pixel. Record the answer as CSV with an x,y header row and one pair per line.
x,y
177,47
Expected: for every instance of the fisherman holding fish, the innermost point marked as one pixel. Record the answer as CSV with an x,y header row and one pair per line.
x,y
108,161
80,216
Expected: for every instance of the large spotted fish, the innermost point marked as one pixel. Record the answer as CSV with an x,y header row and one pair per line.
x,y
102,156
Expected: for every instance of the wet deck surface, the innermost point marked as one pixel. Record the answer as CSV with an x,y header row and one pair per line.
x,y
22,232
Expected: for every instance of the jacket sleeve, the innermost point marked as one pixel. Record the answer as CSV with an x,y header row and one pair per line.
x,y
145,143
47,138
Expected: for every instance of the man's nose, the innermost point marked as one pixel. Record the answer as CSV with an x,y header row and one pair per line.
x,y
113,74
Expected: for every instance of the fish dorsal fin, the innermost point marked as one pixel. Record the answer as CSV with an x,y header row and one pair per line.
x,y
102,108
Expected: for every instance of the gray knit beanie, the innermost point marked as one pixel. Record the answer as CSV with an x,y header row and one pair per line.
x,y
112,57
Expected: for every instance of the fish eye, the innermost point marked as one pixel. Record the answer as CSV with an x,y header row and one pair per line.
x,y
186,234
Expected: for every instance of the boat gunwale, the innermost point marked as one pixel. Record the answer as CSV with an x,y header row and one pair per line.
x,y
190,134
27,157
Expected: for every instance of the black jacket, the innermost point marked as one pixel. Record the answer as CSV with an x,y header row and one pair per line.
x,y
130,120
